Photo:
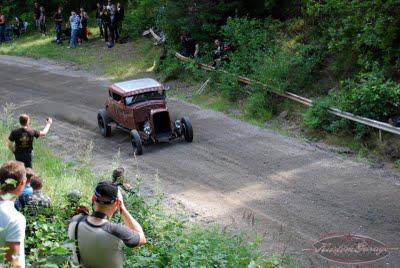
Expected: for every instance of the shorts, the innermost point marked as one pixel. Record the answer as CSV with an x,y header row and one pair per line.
x,y
25,158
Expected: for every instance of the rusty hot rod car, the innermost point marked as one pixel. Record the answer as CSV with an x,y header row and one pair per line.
x,y
139,107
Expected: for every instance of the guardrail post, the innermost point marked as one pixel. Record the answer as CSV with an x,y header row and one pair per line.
x,y
380,135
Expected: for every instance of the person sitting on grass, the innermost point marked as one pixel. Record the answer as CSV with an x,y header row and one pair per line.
x,y
37,199
21,139
12,222
74,204
21,201
98,241
118,178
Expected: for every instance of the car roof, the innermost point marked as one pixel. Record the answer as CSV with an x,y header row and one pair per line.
x,y
137,86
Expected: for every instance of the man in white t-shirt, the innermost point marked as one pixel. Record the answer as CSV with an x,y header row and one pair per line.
x,y
12,223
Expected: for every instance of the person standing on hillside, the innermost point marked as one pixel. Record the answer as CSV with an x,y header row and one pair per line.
x,y
21,139
2,28
74,22
105,17
42,21
98,241
36,16
58,21
99,21
12,223
121,17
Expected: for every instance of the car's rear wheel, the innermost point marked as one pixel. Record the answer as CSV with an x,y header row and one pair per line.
x,y
187,129
103,120
136,142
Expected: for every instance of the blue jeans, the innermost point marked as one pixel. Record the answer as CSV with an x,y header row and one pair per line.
x,y
2,33
74,38
58,32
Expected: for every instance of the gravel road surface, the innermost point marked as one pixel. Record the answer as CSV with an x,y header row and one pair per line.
x,y
245,177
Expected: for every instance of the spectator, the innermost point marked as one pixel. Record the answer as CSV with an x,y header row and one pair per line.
x,y
74,199
42,21
2,28
12,222
220,53
74,22
105,17
37,16
121,17
97,239
37,199
18,26
118,178
21,140
190,47
58,21
21,201
83,26
114,23
99,21
67,31
109,5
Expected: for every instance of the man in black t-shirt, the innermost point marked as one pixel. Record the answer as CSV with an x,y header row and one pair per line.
x,y
21,140
36,16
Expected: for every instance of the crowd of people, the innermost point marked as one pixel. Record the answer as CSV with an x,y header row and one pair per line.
x,y
97,238
109,19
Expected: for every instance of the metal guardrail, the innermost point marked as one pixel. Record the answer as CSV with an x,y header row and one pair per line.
x,y
307,102
381,126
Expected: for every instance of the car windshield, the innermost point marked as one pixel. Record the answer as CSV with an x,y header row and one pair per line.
x,y
153,95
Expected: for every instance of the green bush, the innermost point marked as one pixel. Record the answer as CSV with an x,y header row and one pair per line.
x,y
370,95
317,116
169,68
257,107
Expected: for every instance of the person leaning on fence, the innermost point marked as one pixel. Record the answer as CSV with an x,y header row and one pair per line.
x,y
21,139
12,222
58,21
98,241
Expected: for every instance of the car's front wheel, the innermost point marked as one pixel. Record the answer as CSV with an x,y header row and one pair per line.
x,y
103,120
187,129
136,142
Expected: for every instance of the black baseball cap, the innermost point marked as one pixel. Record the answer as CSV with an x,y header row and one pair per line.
x,y
106,193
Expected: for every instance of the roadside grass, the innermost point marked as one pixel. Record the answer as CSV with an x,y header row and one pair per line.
x,y
172,240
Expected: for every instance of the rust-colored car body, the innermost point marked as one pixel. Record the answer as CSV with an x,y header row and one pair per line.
x,y
140,108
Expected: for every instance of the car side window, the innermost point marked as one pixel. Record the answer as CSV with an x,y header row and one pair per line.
x,y
116,97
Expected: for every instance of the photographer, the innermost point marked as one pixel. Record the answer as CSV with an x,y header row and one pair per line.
x,y
21,139
97,239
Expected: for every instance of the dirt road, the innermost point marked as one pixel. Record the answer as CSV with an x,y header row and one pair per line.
x,y
233,173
